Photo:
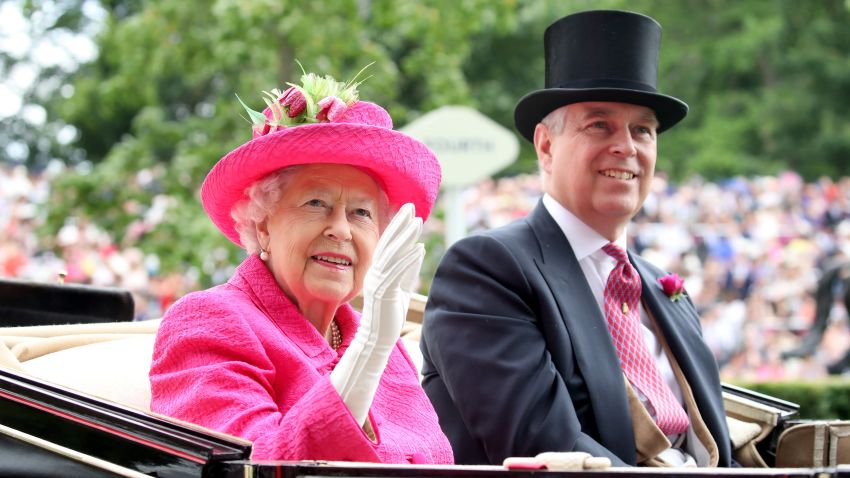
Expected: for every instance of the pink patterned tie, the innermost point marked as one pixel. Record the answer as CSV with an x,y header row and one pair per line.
x,y
622,297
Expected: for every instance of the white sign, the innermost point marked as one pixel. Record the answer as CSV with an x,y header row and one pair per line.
x,y
470,148
469,145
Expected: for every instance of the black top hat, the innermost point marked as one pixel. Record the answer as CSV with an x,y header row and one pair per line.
x,y
601,55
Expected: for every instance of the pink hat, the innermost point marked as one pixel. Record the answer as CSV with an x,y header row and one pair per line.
x,y
322,121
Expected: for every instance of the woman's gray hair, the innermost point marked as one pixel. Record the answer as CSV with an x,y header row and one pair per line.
x,y
263,198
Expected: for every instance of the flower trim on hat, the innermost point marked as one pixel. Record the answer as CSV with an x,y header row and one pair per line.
x,y
316,100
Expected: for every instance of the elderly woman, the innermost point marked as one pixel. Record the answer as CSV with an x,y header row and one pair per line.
x,y
277,355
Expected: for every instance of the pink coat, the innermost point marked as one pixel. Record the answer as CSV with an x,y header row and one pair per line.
x,y
241,359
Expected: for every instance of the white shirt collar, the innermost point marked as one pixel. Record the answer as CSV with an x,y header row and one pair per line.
x,y
582,238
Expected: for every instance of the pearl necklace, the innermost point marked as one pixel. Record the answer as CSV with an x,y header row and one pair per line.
x,y
336,335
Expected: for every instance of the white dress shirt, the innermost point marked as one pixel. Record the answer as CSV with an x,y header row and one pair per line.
x,y
596,265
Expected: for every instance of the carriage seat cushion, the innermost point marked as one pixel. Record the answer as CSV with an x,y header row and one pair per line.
x,y
109,361
116,370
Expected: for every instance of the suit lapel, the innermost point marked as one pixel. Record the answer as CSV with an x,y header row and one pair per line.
x,y
595,355
677,321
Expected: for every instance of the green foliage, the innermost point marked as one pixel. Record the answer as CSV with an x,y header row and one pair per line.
x,y
818,399
160,98
767,81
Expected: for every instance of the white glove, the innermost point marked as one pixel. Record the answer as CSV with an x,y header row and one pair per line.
x,y
386,296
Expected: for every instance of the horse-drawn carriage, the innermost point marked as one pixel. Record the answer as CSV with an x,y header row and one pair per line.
x,y
74,402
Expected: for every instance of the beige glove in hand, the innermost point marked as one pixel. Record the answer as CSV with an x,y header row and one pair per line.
x,y
573,460
558,461
386,295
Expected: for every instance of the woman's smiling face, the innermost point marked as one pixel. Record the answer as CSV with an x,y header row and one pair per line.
x,y
322,233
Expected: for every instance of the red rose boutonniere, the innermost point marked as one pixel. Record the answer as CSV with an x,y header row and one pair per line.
x,y
673,286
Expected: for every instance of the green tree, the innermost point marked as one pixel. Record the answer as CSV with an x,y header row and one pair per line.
x,y
157,108
41,41
767,81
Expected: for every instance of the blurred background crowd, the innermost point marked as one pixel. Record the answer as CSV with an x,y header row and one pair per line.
x,y
112,112
81,250
751,252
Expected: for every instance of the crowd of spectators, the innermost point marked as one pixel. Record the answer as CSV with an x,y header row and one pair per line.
x,y
81,251
750,250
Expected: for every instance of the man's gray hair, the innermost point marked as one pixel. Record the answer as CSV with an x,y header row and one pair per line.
x,y
554,121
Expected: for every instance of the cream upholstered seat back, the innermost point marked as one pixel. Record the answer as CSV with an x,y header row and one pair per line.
x,y
107,360
112,360
116,370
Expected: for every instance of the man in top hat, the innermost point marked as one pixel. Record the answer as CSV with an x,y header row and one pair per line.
x,y
546,334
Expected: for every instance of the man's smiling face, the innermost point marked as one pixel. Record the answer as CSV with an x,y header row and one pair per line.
x,y
600,165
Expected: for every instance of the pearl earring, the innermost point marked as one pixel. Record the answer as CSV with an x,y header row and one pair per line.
x,y
264,255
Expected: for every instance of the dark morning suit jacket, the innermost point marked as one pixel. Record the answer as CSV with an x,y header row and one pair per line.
x,y
518,359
